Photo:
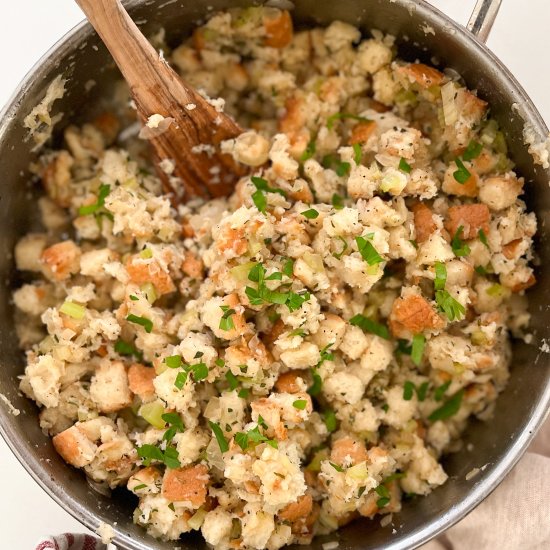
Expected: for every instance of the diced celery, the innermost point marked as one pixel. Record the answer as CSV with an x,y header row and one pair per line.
x,y
500,143
489,133
146,254
240,272
150,292
76,311
254,246
314,261
197,519
406,96
479,338
152,412
318,457
497,290
359,472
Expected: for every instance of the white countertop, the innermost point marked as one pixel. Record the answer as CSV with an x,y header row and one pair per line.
x,y
29,27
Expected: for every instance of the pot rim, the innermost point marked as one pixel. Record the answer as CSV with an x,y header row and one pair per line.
x,y
485,485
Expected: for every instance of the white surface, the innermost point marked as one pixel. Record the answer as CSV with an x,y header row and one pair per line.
x,y
29,27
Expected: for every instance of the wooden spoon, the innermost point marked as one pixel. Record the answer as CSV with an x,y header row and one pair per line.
x,y
196,128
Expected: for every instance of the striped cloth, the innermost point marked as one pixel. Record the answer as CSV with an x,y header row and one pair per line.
x,y
71,541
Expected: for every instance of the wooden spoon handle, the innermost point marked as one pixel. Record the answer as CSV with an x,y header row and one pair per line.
x,y
134,55
157,89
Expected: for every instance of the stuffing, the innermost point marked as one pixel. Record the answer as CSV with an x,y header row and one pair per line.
x,y
267,366
109,387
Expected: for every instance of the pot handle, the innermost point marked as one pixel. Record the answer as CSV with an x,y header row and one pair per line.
x,y
483,17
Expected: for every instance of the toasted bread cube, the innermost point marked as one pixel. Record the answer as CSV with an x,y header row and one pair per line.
x,y
413,314
348,451
472,217
150,271
28,252
75,447
140,381
186,485
109,388
423,222
61,260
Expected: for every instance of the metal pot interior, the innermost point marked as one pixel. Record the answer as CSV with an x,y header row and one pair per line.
x,y
520,409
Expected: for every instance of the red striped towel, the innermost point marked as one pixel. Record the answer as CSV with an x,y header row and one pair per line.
x,y
71,541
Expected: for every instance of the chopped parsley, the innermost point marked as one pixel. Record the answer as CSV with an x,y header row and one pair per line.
x,y
440,275
449,408
199,370
480,270
472,151
147,324
262,187
173,362
262,294
325,355
343,168
462,175
337,202
357,153
176,425
124,348
310,214
384,494
440,391
255,436
148,453
309,151
180,380
336,467
404,166
417,350
483,237
338,255
243,393
453,309
232,380
368,252
460,248
300,404
226,321
340,116
288,268
421,391
408,390
330,420
315,388
222,442
368,325
88,209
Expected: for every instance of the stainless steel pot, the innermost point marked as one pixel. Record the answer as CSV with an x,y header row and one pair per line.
x,y
521,409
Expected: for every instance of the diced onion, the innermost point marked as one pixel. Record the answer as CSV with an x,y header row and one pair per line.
x,y
152,412
393,182
76,311
450,111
